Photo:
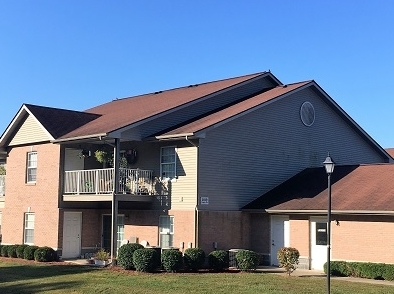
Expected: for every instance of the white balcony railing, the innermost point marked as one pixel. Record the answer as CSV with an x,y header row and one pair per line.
x,y
100,181
2,185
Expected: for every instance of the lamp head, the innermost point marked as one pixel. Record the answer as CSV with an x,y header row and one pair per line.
x,y
329,165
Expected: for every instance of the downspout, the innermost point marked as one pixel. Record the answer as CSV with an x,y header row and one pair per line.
x,y
114,202
196,208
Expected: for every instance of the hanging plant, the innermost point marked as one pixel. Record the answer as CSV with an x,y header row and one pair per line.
x,y
103,156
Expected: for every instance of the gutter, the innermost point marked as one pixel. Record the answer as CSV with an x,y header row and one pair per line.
x,y
324,212
80,138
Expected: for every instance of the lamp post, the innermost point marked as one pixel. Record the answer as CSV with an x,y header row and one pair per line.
x,y
329,166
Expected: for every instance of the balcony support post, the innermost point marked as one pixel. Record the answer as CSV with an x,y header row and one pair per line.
x,y
114,204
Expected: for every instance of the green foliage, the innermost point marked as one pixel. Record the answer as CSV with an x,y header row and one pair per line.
x,y
12,251
218,260
377,271
2,170
101,255
247,260
171,260
4,250
45,254
125,255
145,259
20,249
288,258
194,258
28,253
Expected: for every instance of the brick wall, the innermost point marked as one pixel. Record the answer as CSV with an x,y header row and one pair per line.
x,y
42,197
230,229
299,235
363,238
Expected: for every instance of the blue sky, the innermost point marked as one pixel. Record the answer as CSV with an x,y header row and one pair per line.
x,y
78,54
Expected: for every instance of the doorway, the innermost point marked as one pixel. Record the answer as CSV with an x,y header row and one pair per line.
x,y
280,235
72,234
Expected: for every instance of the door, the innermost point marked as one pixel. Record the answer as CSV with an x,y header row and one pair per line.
x,y
72,234
318,243
107,227
280,235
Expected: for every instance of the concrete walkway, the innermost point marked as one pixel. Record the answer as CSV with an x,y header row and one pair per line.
x,y
281,271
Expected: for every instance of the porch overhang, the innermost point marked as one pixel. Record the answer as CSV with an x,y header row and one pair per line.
x,y
107,198
324,212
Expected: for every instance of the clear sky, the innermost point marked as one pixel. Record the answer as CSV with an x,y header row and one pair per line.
x,y
77,54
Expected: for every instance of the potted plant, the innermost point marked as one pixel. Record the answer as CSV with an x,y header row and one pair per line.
x,y
101,257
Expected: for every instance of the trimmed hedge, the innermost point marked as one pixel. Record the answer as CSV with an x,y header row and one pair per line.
x,y
194,258
125,255
145,260
218,260
28,253
368,270
4,250
171,260
20,249
45,254
12,251
247,260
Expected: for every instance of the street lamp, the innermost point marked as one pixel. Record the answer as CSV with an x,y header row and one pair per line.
x,y
329,166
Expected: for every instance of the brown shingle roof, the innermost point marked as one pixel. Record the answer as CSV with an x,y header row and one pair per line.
x,y
390,151
354,188
59,122
122,112
233,110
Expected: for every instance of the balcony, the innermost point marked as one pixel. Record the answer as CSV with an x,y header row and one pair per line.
x,y
98,184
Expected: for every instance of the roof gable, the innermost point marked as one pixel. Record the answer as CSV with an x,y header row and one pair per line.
x,y
34,124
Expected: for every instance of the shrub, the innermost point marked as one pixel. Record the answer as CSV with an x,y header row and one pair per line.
x,y
194,258
145,259
101,255
171,260
4,250
28,253
218,260
338,269
20,249
288,258
247,260
125,255
0,248
12,251
388,273
45,254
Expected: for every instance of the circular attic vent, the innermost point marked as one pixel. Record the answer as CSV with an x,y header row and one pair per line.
x,y
307,113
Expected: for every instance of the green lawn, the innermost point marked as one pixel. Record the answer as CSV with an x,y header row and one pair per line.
x,y
29,277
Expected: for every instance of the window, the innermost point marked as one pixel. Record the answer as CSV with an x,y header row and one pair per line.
x,y
321,233
168,162
166,230
29,228
120,230
31,167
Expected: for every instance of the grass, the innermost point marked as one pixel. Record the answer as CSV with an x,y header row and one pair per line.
x,y
30,277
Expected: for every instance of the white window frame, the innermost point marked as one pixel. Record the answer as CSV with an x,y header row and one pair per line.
x,y
28,226
31,165
166,228
170,162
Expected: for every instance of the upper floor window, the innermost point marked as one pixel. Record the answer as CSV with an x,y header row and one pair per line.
x,y
28,232
31,167
168,162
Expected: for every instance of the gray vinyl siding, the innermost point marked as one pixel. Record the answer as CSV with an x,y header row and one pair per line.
x,y
243,159
198,108
29,132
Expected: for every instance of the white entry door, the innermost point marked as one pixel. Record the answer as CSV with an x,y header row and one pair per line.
x,y
72,234
318,243
280,235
